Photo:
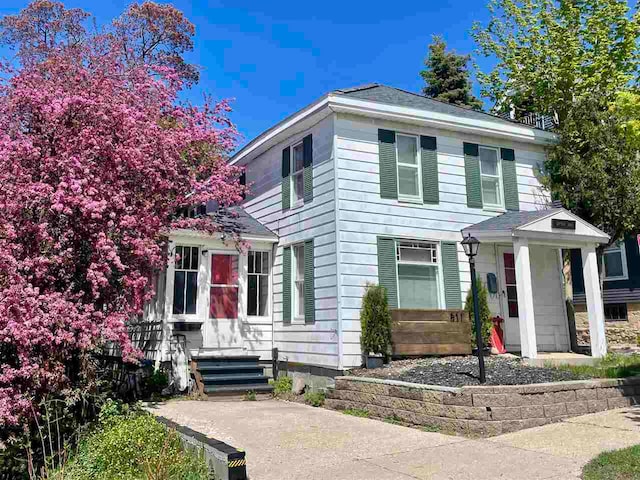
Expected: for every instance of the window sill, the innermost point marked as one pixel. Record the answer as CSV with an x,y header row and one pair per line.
x,y
410,200
616,279
297,205
494,209
185,318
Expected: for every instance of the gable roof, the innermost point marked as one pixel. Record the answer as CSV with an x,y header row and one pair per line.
x,y
390,103
510,221
376,92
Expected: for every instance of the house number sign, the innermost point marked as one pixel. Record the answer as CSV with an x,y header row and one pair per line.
x,y
563,224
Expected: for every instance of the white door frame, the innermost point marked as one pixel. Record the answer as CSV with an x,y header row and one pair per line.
x,y
511,327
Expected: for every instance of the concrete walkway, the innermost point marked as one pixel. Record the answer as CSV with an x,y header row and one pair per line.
x,y
292,441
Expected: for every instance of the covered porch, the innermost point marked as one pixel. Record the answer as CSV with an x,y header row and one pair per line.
x,y
520,262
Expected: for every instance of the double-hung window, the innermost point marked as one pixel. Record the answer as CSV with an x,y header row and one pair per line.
x,y
418,275
615,262
490,177
298,281
409,183
185,280
258,284
297,174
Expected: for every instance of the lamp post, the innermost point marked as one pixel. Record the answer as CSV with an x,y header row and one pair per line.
x,y
471,246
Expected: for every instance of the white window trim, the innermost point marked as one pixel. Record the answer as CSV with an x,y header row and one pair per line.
x,y
490,206
294,270
270,287
295,203
437,264
418,165
623,257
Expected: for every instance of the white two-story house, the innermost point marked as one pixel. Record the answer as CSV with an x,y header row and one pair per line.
x,y
378,185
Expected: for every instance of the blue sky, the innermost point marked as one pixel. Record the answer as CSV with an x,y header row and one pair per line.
x,y
275,57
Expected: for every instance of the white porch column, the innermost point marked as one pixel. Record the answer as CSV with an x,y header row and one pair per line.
x,y
524,284
595,309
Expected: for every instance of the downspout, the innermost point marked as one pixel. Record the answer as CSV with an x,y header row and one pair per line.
x,y
338,251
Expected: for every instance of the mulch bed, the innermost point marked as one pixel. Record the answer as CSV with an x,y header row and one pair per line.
x,y
463,371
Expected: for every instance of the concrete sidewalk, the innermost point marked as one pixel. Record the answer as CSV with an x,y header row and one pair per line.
x,y
292,441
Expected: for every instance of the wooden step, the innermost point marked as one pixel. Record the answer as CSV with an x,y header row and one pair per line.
x,y
234,379
229,368
248,387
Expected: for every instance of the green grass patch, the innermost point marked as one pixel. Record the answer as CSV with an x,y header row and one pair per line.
x,y
617,465
357,412
134,447
315,399
430,428
611,366
393,419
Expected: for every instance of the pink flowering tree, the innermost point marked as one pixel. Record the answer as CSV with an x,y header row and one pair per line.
x,y
96,157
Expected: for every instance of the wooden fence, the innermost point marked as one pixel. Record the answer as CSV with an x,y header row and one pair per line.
x,y
430,332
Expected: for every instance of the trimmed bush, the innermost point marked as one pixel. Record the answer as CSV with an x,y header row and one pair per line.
x,y
375,321
485,313
315,399
134,447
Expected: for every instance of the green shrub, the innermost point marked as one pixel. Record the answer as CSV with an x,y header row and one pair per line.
x,y
315,399
250,396
357,412
156,382
485,313
282,385
375,321
134,447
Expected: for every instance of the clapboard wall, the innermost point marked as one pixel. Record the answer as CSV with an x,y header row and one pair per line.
x,y
363,214
316,343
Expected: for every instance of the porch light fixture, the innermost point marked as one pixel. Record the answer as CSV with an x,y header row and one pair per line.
x,y
471,245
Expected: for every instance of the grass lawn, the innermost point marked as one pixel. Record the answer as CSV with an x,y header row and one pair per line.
x,y
612,366
617,465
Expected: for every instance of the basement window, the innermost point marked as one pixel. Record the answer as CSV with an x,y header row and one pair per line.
x,y
615,312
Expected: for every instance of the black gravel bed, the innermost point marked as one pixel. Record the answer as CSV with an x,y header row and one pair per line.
x,y
463,371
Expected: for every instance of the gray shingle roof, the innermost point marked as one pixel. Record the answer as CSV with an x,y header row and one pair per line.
x,y
510,221
238,220
395,96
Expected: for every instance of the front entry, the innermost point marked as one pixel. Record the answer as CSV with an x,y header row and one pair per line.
x,y
222,330
550,318
509,298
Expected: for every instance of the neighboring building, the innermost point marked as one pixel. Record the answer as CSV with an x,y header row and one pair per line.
x,y
376,185
621,294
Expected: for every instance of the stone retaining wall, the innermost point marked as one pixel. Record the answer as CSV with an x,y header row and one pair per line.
x,y
482,410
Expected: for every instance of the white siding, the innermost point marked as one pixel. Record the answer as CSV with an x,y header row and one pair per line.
x,y
313,344
363,214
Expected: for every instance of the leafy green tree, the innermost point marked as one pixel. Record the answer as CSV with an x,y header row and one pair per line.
x,y
485,313
375,321
550,53
446,76
594,169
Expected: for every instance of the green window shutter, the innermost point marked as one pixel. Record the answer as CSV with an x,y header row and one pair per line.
x,y
451,274
388,161
307,149
509,179
286,182
472,175
387,272
429,154
286,285
309,284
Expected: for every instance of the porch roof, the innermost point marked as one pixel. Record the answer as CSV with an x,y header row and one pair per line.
x,y
552,226
238,220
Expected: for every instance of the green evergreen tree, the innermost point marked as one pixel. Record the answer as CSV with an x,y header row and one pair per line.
x,y
485,313
375,321
446,76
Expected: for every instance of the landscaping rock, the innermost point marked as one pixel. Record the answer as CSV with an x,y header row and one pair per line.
x,y
298,385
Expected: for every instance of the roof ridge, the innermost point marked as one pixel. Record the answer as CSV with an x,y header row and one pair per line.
x,y
357,88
